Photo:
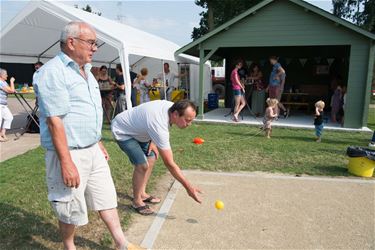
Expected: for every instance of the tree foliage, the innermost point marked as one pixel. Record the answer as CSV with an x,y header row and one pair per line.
x,y
218,12
360,12
88,9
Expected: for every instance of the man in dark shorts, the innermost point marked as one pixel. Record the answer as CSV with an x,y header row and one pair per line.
x,y
276,83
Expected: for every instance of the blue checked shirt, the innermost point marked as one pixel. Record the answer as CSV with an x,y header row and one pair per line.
x,y
63,92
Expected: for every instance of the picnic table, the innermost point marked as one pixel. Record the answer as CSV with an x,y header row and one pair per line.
x,y
32,112
296,100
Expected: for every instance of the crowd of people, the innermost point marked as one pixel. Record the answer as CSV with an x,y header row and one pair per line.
x,y
112,90
251,84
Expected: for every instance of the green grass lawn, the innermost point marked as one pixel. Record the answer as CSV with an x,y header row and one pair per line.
x,y
28,222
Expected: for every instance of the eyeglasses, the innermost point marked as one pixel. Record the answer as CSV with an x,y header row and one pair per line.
x,y
92,43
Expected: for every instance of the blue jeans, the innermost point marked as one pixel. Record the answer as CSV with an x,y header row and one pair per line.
x,y
373,137
134,97
136,151
319,130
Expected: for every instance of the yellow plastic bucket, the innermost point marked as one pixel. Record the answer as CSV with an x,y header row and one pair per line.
x,y
177,95
361,166
154,95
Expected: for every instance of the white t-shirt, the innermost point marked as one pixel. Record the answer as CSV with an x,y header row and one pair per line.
x,y
149,121
170,78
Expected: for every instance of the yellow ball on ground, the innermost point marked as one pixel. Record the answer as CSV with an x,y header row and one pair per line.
x,y
219,205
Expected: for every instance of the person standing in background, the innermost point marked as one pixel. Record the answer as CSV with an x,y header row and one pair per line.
x,y
134,91
37,66
5,113
143,86
318,121
170,82
106,86
258,95
120,90
336,103
269,116
238,91
276,84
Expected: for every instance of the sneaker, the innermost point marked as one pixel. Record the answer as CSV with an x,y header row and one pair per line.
x,y
371,144
318,139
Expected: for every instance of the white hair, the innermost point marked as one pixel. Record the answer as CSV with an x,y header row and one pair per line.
x,y
72,29
2,71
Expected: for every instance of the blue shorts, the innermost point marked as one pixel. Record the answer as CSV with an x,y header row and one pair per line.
x,y
136,151
237,92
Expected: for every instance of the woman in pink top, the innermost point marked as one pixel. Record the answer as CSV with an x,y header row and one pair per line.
x,y
238,91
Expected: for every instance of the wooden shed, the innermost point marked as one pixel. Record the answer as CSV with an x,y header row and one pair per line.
x,y
314,46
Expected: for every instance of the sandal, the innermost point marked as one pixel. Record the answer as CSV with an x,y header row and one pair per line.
x,y
143,210
150,200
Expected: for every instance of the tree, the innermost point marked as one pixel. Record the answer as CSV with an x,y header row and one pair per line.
x,y
218,12
360,12
88,9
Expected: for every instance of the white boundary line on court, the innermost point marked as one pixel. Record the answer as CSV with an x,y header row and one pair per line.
x,y
154,230
286,177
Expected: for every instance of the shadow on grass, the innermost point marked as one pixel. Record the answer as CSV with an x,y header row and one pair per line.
x,y
256,133
124,196
324,140
338,151
331,170
20,229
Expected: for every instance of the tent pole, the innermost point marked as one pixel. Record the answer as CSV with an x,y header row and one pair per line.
x,y
164,84
137,61
124,59
101,45
44,51
202,60
201,79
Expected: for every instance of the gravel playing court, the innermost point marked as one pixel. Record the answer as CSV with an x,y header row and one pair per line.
x,y
267,211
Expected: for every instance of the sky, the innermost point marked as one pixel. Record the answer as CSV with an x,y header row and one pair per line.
x,y
172,20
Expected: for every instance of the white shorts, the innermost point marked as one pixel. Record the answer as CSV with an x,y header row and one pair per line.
x,y
96,190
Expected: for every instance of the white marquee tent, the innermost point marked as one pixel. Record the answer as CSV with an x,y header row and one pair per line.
x,y
35,32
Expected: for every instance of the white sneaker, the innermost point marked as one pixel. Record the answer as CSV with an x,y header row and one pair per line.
x,y
371,144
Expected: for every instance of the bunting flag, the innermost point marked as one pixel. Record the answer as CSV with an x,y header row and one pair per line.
x,y
303,61
330,61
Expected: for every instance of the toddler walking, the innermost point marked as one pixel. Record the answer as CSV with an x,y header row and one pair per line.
x,y
270,115
318,121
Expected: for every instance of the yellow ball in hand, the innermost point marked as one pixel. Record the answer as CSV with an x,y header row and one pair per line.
x,y
219,205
